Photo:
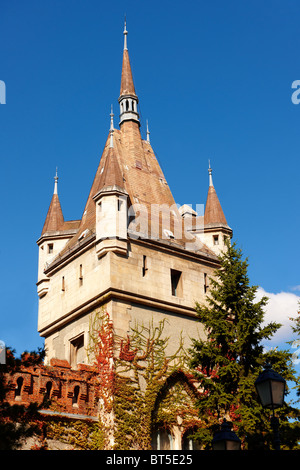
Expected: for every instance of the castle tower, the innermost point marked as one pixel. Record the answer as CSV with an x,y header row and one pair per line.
x,y
130,254
134,256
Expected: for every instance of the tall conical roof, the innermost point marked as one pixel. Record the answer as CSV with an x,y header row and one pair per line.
x,y
128,164
213,211
55,219
127,85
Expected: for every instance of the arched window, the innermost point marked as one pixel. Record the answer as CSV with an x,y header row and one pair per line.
x,y
127,105
48,389
75,396
162,439
18,388
189,442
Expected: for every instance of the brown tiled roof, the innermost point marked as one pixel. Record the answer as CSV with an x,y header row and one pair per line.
x,y
111,175
55,219
71,224
213,211
133,166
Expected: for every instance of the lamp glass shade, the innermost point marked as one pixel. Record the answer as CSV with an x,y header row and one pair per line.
x,y
219,445
278,389
227,444
225,439
233,445
270,387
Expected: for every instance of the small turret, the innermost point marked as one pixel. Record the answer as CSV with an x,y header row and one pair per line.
x,y
55,219
55,234
111,206
216,229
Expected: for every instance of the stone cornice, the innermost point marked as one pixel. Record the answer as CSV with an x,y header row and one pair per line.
x,y
118,294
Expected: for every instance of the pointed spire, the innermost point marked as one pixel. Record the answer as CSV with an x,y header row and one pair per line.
x,y
125,32
148,133
55,219
128,99
127,85
111,131
210,174
213,211
55,182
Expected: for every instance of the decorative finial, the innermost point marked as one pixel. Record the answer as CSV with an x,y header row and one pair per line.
x,y
55,182
111,131
125,35
148,133
210,174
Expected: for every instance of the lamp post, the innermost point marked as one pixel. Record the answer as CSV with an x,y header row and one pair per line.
x,y
225,439
270,387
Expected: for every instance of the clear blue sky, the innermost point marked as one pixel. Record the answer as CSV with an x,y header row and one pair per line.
x,y
213,79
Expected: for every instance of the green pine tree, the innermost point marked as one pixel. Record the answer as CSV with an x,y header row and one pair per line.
x,y
230,359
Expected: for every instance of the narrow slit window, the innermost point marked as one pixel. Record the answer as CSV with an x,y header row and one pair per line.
x,y
145,268
75,396
63,285
18,389
80,275
120,203
205,283
176,283
50,248
48,390
216,239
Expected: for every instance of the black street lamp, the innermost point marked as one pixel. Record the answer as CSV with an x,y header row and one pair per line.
x,y
225,439
270,387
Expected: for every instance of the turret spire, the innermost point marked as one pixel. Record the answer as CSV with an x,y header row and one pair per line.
x,y
111,131
125,32
213,211
210,174
55,182
55,219
128,99
148,133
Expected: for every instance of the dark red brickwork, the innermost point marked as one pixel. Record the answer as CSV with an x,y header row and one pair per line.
x,y
58,387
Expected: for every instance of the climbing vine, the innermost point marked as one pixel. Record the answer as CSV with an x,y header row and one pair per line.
x,y
83,435
101,351
139,387
142,387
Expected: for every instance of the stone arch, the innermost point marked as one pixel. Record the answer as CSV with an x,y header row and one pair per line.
x,y
174,411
